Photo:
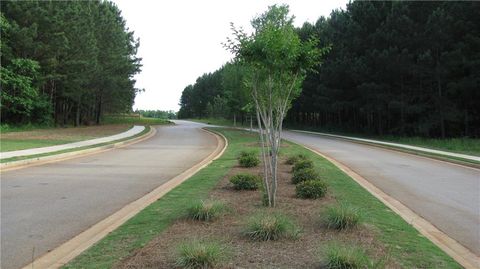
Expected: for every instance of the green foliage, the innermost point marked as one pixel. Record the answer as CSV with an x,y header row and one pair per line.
x,y
68,62
268,226
248,159
302,164
342,256
245,182
379,80
293,159
205,210
158,114
311,189
305,174
342,216
128,119
200,255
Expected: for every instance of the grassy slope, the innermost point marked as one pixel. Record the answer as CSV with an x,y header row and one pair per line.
x,y
147,129
462,145
20,144
134,120
406,245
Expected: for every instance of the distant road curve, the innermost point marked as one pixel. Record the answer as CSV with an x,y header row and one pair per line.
x,y
447,195
44,206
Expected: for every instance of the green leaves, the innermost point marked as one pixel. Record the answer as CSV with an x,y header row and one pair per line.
x,y
86,58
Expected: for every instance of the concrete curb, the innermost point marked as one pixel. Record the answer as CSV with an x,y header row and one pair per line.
x,y
75,246
458,252
8,166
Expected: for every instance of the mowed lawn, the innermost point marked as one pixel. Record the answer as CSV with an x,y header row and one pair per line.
x,y
56,136
23,137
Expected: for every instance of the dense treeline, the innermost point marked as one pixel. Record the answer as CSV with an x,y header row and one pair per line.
x,y
65,62
217,94
159,114
404,68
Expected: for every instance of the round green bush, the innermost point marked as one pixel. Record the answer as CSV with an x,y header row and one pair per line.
x,y
311,189
250,160
302,165
245,182
291,160
304,175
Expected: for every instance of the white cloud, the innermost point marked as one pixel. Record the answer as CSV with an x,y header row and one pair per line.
x,y
181,40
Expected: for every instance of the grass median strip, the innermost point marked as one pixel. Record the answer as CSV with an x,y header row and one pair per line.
x,y
405,245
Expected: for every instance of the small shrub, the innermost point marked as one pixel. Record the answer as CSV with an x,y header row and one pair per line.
x,y
311,189
340,256
200,255
271,226
303,164
245,182
304,175
248,159
295,158
342,217
205,210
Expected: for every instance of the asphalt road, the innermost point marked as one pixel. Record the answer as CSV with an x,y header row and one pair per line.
x,y
445,194
44,206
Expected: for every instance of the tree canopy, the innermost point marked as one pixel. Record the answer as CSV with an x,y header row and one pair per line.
x,y
65,62
395,67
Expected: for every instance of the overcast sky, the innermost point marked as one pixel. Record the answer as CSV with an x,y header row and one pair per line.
x,y
180,40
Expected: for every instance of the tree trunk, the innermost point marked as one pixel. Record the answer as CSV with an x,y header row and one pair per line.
x,y
77,114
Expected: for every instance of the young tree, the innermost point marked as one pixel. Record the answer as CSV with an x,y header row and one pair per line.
x,y
277,61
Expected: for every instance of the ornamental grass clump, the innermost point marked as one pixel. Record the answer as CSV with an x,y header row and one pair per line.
x,y
342,216
340,256
271,226
245,182
205,210
200,255
311,189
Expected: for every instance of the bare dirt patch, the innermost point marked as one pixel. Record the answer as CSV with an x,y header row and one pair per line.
x,y
69,134
243,253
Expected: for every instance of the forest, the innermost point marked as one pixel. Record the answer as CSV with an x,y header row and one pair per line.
x,y
65,62
394,68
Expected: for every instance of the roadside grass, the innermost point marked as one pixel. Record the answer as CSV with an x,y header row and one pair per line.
x,y
19,144
464,145
57,136
461,145
8,128
223,122
134,120
35,136
405,244
146,130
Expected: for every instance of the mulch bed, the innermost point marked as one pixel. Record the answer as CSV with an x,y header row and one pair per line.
x,y
243,253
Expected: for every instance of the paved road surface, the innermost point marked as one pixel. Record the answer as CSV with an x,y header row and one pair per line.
x,y
44,206
447,195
